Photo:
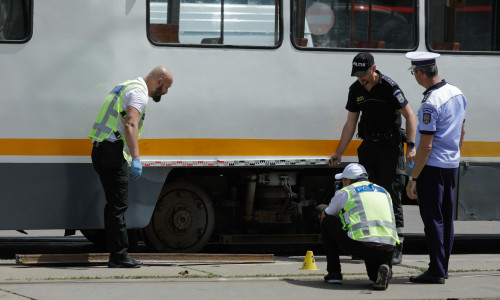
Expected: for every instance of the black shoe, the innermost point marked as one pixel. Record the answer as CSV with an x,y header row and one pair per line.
x,y
383,275
334,278
123,262
397,255
427,278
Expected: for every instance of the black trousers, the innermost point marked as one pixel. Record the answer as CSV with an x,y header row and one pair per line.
x,y
385,165
435,199
335,240
109,163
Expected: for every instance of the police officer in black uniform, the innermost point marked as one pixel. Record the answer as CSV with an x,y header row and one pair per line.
x,y
382,103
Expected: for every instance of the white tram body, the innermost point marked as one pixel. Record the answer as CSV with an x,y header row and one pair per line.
x,y
240,143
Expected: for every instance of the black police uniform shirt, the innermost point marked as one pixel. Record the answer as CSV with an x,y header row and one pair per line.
x,y
379,107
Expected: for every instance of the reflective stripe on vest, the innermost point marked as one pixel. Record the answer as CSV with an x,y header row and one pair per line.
x,y
382,231
111,111
107,120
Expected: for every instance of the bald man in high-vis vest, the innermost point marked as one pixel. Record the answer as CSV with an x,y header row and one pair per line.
x,y
115,135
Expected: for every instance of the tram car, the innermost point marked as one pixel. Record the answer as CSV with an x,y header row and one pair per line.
x,y
237,152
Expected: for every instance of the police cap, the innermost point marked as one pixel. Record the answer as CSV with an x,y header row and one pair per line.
x,y
422,58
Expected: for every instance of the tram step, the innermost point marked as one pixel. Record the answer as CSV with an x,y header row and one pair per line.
x,y
146,258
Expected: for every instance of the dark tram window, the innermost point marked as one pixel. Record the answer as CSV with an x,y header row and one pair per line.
x,y
463,25
15,20
373,24
254,23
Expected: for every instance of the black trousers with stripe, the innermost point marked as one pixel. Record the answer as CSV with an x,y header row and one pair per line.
x,y
385,164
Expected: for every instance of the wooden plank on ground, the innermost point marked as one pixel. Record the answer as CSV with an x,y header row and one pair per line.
x,y
147,258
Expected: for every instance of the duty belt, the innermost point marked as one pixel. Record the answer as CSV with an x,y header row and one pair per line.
x,y
378,137
375,137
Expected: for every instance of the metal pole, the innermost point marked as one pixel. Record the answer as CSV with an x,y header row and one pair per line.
x,y
222,22
352,23
370,20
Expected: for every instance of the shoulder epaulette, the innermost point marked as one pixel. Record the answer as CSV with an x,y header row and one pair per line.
x,y
389,80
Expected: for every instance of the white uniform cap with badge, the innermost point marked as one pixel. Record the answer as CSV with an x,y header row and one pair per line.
x,y
422,58
352,171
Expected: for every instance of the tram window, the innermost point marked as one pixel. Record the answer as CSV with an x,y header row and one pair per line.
x,y
15,20
374,24
463,25
253,23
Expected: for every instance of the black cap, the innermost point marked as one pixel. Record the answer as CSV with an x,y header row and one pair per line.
x,y
361,63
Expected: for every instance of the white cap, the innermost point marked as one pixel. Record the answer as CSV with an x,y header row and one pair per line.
x,y
422,58
352,171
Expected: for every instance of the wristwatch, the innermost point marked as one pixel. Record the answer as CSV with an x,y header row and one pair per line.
x,y
411,178
410,144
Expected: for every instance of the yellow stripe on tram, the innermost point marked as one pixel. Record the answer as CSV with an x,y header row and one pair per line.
x,y
212,147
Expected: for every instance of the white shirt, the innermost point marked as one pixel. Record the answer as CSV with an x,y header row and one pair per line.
x,y
338,202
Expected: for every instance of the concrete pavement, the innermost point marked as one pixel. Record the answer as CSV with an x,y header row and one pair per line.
x,y
471,276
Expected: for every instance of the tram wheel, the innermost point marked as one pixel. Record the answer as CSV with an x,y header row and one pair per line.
x,y
183,220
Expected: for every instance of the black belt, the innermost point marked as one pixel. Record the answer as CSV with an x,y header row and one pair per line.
x,y
378,137
378,246
98,144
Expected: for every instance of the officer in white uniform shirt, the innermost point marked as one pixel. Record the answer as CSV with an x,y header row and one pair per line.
x,y
440,133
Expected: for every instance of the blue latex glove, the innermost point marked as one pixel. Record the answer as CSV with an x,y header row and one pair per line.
x,y
411,165
136,168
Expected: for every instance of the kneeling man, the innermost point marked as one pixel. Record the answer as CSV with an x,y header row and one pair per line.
x,y
360,221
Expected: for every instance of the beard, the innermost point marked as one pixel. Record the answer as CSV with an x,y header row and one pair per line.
x,y
156,95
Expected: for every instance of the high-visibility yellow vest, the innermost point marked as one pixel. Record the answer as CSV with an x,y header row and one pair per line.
x,y
111,110
370,213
